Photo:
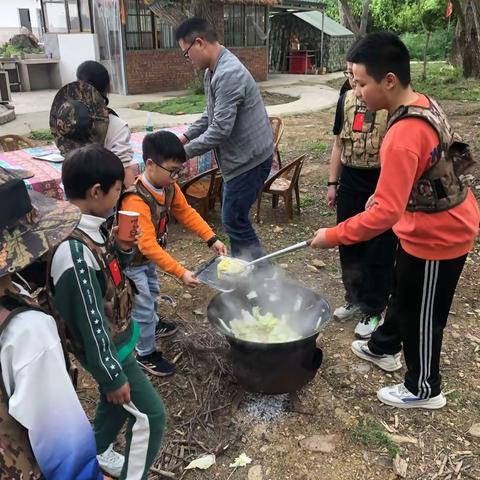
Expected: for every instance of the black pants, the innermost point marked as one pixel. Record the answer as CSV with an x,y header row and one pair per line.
x,y
416,316
367,267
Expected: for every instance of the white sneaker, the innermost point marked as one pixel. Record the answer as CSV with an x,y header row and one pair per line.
x,y
111,462
399,396
367,325
389,363
347,311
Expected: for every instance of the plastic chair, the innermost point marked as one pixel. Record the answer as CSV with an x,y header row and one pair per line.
x,y
283,184
9,143
202,190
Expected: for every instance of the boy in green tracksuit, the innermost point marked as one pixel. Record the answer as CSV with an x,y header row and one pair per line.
x,y
94,299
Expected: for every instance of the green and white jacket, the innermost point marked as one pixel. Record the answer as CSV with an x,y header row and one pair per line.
x,y
79,289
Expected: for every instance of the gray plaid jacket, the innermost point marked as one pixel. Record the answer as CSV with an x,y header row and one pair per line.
x,y
235,122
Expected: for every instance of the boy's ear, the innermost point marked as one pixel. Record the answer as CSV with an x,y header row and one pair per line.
x,y
391,80
149,162
94,191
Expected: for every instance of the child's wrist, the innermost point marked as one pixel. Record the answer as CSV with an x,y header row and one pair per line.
x,y
211,241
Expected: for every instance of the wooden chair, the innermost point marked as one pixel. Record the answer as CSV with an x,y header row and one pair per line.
x,y
283,184
13,142
277,128
202,190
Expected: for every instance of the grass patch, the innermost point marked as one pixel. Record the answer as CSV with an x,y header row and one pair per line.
x,y
41,135
319,147
308,201
370,433
193,103
196,102
445,82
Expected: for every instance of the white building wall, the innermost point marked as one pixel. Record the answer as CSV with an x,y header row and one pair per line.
x,y
10,19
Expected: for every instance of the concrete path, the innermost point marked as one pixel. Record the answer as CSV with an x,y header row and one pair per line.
x,y
32,108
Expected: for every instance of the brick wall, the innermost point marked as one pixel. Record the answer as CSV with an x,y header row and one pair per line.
x,y
151,71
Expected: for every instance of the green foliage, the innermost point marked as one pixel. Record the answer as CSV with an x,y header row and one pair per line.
x,y
439,46
7,50
193,103
370,433
41,135
396,15
445,82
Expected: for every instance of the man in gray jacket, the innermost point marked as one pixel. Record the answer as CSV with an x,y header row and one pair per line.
x,y
235,124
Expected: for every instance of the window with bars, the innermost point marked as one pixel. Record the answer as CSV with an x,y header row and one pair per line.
x,y
67,16
144,30
244,25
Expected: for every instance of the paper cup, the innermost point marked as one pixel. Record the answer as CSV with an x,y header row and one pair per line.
x,y
127,225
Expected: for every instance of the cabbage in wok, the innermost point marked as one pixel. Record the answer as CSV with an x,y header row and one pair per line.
x,y
267,328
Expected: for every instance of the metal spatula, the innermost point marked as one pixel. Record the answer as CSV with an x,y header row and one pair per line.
x,y
208,272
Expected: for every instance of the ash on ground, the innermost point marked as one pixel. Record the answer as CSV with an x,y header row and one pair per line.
x,y
265,407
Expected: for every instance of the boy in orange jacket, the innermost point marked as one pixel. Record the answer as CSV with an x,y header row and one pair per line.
x,y
421,195
155,197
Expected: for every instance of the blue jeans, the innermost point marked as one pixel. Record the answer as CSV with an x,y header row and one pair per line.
x,y
145,304
239,194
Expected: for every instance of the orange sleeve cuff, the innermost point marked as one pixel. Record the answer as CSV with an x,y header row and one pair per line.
x,y
331,236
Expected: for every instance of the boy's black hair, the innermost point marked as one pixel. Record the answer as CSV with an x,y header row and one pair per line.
x,y
194,27
162,146
86,166
95,74
381,53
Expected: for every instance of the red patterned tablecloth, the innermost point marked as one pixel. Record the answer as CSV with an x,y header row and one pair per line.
x,y
47,175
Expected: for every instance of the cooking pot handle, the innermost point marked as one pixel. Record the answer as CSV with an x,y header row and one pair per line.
x,y
317,358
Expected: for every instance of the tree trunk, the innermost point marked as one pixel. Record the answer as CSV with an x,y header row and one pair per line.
x,y
466,48
427,39
343,17
346,12
364,20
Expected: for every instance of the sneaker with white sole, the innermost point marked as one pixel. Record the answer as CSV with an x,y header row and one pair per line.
x,y
111,462
399,396
389,363
347,311
367,325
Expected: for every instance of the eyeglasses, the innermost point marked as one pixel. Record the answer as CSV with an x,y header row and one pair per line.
x,y
174,173
348,74
185,53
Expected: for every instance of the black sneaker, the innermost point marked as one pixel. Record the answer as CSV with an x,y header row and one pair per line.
x,y
164,328
155,364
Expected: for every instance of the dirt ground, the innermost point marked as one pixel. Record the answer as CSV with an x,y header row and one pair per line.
x,y
204,405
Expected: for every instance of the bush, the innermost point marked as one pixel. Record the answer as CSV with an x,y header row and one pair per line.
x,y
196,87
439,47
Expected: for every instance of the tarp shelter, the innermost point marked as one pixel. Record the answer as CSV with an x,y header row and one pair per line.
x,y
307,27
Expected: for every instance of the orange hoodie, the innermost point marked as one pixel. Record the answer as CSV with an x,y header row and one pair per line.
x,y
182,211
405,154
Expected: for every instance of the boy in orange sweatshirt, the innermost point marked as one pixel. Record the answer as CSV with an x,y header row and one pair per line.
x,y
433,213
155,197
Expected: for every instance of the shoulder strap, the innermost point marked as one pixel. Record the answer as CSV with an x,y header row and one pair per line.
x,y
433,115
12,304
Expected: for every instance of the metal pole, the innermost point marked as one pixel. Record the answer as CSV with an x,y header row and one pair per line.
x,y
321,40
